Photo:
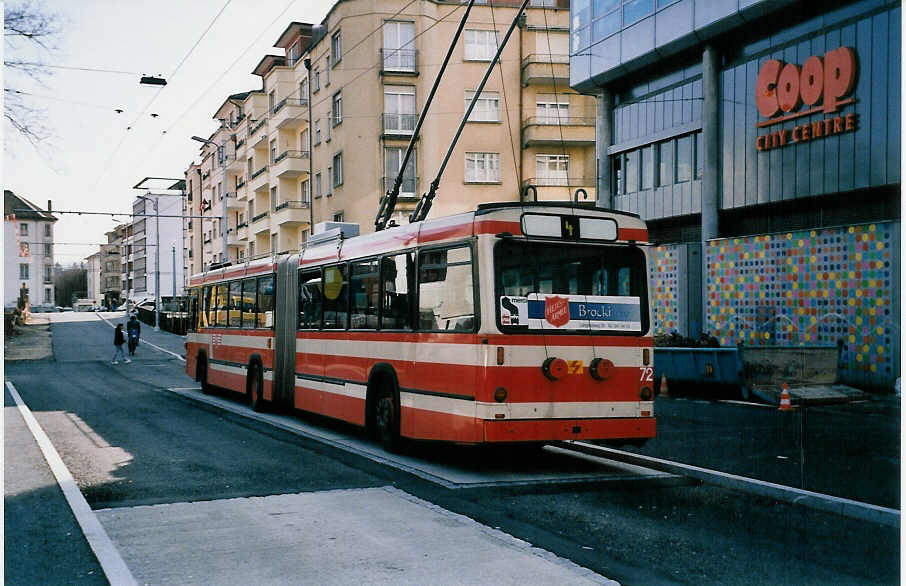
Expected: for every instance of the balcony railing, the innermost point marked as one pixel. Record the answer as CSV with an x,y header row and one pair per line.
x,y
240,184
399,123
278,105
259,172
563,120
260,217
257,126
242,225
291,154
545,58
293,205
240,142
396,61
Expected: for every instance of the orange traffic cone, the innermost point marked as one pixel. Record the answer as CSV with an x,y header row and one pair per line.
x,y
664,392
785,404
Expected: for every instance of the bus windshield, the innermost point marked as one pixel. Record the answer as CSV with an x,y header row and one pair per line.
x,y
570,287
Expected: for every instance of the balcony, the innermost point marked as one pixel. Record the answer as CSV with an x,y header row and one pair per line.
x,y
290,113
260,224
235,164
242,230
399,125
408,188
232,202
258,180
256,136
290,164
544,69
559,189
552,131
399,62
292,213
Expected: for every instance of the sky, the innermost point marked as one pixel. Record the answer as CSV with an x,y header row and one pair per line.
x,y
94,156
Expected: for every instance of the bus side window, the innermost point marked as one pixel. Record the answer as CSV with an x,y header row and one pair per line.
x,y
207,313
193,310
265,301
335,297
221,304
396,303
446,300
235,311
248,303
310,300
364,294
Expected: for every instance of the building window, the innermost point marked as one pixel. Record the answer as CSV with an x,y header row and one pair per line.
x,y
303,89
273,198
337,109
665,162
48,251
338,169
631,171
327,71
699,156
552,169
318,131
23,271
48,295
684,159
251,167
487,106
552,109
336,48
482,168
329,180
305,191
399,109
648,167
48,273
636,10
398,51
317,184
316,80
393,161
47,230
273,151
480,45
23,229
338,217
272,100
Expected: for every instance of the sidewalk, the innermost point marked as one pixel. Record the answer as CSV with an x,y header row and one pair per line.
x,y
31,341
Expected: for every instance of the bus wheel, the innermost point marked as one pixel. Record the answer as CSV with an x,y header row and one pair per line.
x,y
253,387
201,373
387,421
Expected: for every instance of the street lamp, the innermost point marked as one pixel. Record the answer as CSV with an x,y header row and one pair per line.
x,y
154,200
221,154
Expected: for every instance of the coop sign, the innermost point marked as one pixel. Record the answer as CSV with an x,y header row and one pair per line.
x,y
786,91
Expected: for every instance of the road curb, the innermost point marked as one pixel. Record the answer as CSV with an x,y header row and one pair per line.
x,y
788,494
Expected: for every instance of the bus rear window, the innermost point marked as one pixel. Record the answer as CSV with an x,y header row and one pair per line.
x,y
572,287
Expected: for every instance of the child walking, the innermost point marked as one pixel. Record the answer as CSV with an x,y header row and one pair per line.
x,y
118,340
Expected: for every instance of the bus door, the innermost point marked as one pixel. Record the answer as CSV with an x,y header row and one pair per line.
x,y
448,359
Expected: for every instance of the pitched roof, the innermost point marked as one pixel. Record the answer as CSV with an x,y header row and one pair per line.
x,y
23,209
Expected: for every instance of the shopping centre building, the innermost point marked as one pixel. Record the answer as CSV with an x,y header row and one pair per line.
x,y
760,139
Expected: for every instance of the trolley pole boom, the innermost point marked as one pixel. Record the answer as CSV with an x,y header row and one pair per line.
x,y
425,203
388,202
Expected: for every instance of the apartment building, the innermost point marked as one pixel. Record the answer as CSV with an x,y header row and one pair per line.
x,y
93,278
325,135
154,236
28,252
111,267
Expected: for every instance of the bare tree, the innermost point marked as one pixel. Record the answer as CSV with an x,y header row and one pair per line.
x,y
26,28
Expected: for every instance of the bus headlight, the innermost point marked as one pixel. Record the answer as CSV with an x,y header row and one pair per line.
x,y
554,368
500,394
600,368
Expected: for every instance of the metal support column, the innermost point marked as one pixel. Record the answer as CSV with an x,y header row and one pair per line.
x,y
603,141
710,167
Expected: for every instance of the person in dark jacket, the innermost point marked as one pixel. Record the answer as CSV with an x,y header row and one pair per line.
x,y
118,340
133,331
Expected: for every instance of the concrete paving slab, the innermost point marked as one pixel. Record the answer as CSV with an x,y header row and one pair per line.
x,y
452,472
357,536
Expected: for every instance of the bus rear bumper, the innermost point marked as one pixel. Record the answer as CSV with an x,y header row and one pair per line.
x,y
536,430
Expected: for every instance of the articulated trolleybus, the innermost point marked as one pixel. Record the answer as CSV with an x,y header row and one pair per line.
x,y
514,323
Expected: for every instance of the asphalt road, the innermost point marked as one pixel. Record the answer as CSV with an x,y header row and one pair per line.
x,y
128,441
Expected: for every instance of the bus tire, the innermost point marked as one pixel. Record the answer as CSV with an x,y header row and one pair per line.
x,y
387,420
201,373
254,384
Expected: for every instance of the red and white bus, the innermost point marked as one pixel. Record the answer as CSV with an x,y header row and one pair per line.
x,y
512,323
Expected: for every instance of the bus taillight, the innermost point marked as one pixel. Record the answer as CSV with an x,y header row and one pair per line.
x,y
554,368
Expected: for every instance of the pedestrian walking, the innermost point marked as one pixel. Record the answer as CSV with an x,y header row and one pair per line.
x,y
133,331
118,340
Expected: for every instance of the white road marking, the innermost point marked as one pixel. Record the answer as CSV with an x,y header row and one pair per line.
x,y
144,341
108,556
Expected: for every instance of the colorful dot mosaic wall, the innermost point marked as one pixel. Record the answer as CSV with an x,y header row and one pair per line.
x,y
809,288
664,281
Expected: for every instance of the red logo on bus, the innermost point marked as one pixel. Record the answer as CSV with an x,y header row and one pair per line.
x,y
556,310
